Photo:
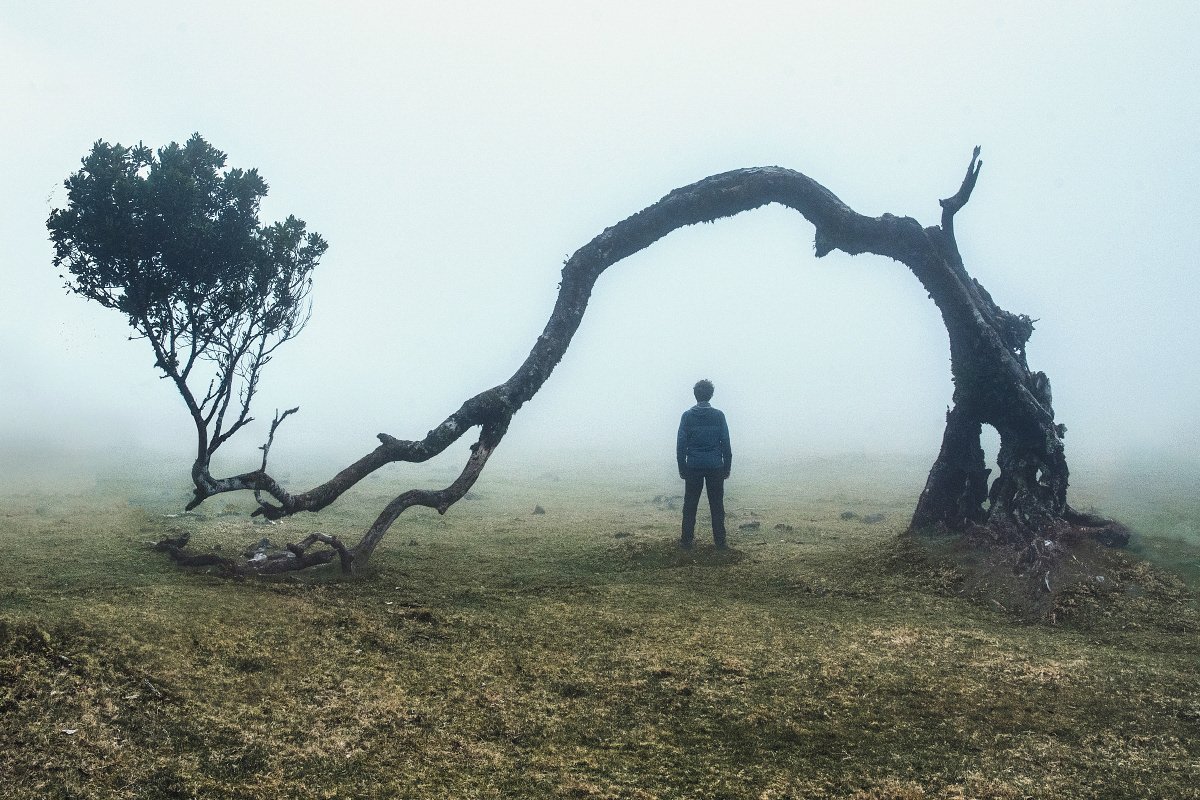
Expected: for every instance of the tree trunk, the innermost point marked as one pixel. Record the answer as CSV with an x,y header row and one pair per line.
x,y
1026,504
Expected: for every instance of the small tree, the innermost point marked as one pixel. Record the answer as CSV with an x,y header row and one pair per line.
x,y
172,241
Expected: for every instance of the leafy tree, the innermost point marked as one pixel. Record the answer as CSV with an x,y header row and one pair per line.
x,y
172,240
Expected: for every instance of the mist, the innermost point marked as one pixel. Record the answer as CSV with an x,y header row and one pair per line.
x,y
454,157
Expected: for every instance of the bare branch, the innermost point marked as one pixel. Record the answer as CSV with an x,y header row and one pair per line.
x,y
952,205
294,557
266,447
343,552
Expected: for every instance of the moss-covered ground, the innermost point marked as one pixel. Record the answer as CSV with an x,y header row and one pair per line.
x,y
497,653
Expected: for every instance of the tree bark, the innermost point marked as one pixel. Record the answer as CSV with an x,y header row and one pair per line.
x,y
993,384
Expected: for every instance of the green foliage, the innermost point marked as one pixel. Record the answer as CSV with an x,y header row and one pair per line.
x,y
172,240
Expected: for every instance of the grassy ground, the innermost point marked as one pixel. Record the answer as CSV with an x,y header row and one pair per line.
x,y
579,653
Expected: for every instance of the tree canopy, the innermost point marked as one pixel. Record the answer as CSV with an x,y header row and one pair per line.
x,y
171,239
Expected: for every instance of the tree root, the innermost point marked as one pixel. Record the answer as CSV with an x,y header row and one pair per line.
x,y
294,557
1106,531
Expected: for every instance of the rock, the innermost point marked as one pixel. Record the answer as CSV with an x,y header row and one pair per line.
x,y
784,527
849,515
871,519
622,535
539,510
753,525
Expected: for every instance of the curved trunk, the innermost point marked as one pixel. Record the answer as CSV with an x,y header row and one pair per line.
x,y
993,383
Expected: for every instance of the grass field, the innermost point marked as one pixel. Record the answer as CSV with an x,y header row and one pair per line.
x,y
580,653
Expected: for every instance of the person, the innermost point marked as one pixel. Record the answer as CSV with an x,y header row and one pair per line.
x,y
705,457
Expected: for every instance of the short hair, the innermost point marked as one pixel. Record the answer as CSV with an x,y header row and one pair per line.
x,y
703,390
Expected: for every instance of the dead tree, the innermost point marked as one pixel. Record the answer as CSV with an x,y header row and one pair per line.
x,y
1025,506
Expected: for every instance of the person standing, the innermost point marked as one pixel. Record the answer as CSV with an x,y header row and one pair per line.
x,y
705,457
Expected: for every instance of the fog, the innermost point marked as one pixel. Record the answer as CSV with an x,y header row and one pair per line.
x,y
454,156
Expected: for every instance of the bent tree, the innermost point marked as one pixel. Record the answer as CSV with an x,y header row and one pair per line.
x,y
1024,506
174,244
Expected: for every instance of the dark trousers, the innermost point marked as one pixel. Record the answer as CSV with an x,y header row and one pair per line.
x,y
693,483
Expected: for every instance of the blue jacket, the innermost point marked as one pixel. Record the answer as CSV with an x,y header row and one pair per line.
x,y
702,444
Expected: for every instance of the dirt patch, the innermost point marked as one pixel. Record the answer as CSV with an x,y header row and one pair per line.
x,y
1081,584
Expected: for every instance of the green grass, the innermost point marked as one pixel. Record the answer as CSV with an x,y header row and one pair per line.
x,y
496,653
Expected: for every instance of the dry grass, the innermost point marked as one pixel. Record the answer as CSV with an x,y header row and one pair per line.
x,y
579,654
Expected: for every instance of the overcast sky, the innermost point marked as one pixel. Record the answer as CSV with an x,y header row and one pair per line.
x,y
454,154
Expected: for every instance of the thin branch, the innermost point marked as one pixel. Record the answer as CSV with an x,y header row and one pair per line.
x,y
266,448
952,205
227,370
347,558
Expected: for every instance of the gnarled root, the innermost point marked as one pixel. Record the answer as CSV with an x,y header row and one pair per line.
x,y
295,556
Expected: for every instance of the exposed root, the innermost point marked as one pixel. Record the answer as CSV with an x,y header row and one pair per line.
x,y
175,549
1106,531
294,557
1071,582
301,550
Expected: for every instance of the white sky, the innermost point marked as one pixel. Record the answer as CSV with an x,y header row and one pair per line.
x,y
453,154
